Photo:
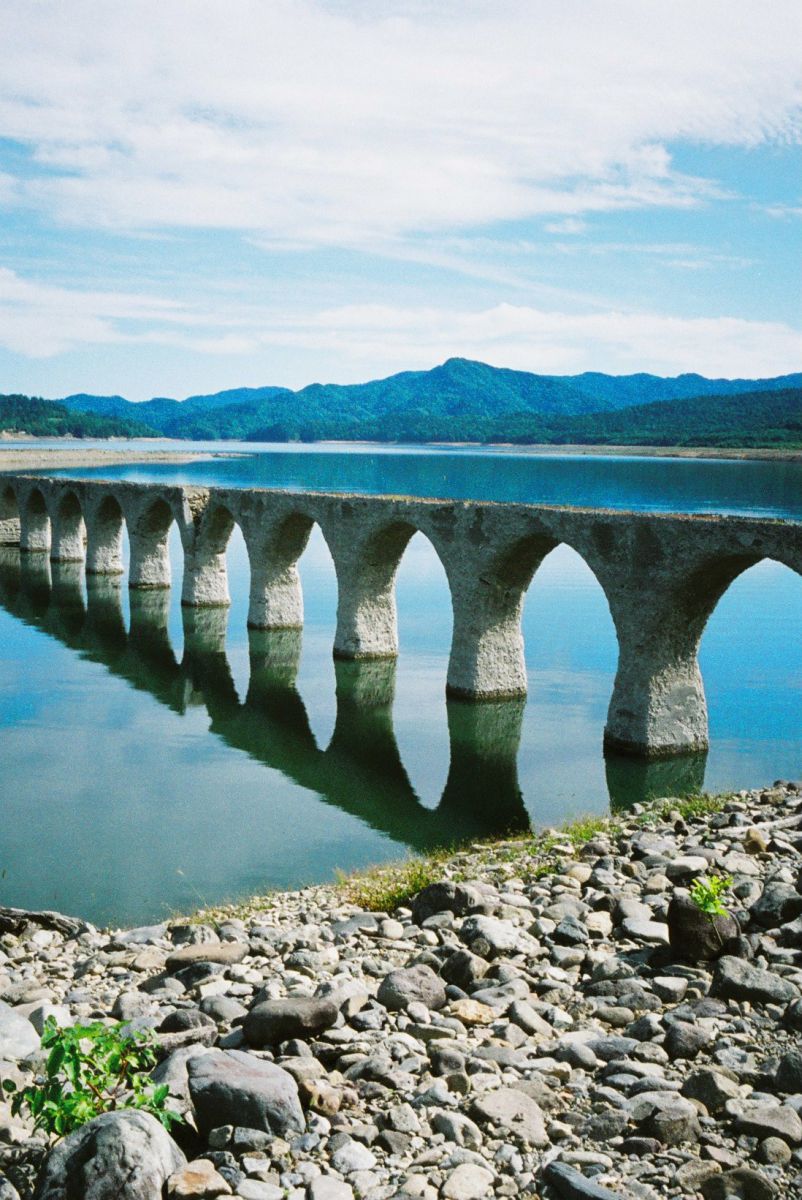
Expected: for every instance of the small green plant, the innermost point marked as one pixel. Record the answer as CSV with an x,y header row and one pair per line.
x,y
707,893
92,1069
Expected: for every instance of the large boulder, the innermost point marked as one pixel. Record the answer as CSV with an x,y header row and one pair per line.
x,y
444,896
123,1155
275,1021
736,979
779,903
695,936
18,1038
234,1088
513,1112
417,983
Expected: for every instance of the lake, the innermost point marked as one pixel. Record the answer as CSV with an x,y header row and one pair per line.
x,y
154,759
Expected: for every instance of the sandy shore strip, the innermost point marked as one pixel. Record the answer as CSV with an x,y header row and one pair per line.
x,y
41,459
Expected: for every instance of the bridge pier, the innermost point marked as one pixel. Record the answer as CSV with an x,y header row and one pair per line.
x,y
104,538
487,648
35,525
367,621
658,707
69,532
150,559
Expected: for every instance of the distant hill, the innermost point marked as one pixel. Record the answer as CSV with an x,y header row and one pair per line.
x,y
744,419
460,400
48,418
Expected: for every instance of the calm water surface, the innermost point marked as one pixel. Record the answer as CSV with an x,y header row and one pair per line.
x,y
153,759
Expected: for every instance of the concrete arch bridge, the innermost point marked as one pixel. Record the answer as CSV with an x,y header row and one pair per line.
x,y
662,575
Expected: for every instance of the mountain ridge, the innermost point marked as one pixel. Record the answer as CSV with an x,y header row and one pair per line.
x,y
463,400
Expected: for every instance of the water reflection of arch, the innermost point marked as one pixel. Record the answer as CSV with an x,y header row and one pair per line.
x,y
360,771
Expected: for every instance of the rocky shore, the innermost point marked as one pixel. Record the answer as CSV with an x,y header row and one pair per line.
x,y
549,1018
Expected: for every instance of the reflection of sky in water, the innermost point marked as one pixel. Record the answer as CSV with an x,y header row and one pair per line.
x,y
117,806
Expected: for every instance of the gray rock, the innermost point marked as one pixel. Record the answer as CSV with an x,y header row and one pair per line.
x,y
352,1156
736,979
514,1112
18,1038
7,1189
770,1120
143,935
444,896
653,932
463,968
222,953
329,1187
234,1088
456,1127
222,1009
419,983
779,903
684,1040
695,936
774,1151
275,1021
468,1181
570,1184
117,1156
493,937
789,1072
710,1087
672,1120
742,1183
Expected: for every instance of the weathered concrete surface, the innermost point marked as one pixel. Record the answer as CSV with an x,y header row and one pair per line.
x,y
662,575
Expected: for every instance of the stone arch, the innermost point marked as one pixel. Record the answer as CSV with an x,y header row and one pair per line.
x,y
276,594
487,652
9,517
734,614
35,524
69,538
367,619
148,536
104,537
205,571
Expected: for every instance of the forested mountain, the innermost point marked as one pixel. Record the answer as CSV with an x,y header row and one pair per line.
x,y
48,418
458,401
744,419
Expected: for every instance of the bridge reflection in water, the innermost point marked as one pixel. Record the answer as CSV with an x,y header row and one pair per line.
x,y
360,771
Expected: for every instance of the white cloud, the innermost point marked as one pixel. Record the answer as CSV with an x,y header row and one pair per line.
x,y
363,341
326,122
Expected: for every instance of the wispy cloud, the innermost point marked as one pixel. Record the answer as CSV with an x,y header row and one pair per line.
x,y
319,123
40,320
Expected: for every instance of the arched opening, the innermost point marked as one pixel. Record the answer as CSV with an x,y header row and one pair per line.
x,y
571,654
425,628
36,527
69,542
318,588
9,518
238,573
751,662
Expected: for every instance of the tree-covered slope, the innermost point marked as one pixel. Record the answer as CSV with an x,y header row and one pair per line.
x,y
459,400
48,418
744,419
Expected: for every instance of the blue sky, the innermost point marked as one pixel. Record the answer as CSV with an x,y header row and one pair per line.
x,y
204,195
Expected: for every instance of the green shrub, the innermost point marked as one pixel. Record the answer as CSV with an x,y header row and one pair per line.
x,y
706,895
92,1069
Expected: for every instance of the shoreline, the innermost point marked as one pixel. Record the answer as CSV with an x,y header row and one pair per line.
x,y
41,459
79,457
523,1017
